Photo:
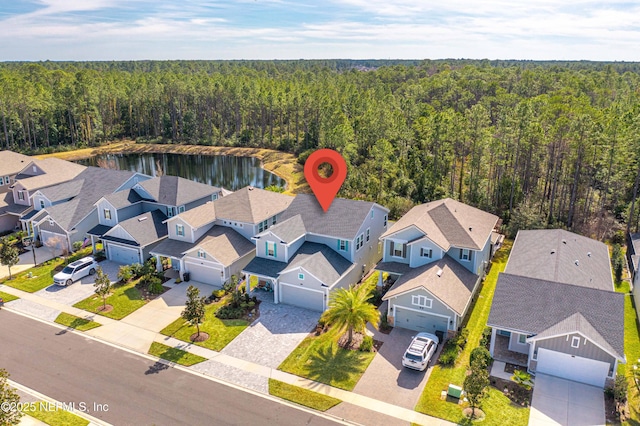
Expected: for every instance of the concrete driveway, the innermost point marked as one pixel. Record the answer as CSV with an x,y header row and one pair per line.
x,y
81,289
386,378
563,402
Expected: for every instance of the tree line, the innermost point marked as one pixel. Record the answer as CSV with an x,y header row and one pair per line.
x,y
538,143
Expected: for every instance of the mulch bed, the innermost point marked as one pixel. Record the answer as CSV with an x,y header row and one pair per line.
x,y
104,309
199,338
144,292
516,393
356,341
511,368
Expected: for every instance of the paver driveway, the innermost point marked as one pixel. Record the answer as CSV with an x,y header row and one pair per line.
x,y
81,289
563,402
386,378
272,337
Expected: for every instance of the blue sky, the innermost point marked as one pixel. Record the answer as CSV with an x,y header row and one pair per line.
x,y
291,29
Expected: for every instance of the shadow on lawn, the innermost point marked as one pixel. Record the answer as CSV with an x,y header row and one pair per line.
x,y
333,365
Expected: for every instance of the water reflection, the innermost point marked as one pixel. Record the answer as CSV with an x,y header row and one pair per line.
x,y
227,171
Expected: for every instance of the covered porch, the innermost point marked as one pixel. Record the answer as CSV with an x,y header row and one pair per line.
x,y
502,353
95,234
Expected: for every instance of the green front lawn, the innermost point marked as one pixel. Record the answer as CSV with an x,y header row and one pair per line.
x,y
49,414
320,358
75,322
221,332
631,351
125,298
42,275
499,410
7,297
174,354
302,396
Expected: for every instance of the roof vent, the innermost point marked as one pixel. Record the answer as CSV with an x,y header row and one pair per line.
x,y
250,188
564,241
439,273
470,229
589,254
577,262
553,251
140,219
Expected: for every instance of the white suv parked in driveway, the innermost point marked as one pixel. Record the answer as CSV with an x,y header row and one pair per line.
x,y
76,270
420,351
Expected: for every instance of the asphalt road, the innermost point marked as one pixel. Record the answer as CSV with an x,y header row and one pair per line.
x,y
74,369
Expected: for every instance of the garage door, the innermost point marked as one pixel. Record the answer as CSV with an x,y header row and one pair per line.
x,y
578,369
46,235
419,321
124,255
302,297
204,273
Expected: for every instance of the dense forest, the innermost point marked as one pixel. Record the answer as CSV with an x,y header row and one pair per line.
x,y
539,143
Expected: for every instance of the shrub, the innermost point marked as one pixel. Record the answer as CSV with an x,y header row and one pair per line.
x,y
462,337
77,245
136,270
449,353
367,344
482,355
125,273
486,337
229,312
618,237
155,285
229,286
522,378
218,294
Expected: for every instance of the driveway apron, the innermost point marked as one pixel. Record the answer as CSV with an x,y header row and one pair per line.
x,y
563,402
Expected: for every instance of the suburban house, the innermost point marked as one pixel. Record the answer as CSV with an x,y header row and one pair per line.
x,y
310,253
555,310
65,213
633,262
11,163
213,242
130,222
438,252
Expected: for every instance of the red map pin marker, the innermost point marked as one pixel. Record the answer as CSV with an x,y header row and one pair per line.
x,y
325,189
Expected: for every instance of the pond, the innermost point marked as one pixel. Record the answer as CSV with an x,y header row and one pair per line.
x,y
227,171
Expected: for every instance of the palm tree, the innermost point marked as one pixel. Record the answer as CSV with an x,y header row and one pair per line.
x,y
350,310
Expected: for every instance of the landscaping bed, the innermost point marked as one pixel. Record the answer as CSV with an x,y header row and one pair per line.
x,y
516,393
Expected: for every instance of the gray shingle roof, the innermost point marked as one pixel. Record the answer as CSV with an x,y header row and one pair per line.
x,y
99,230
551,254
7,205
449,223
289,230
343,219
199,216
533,305
225,244
96,182
453,287
123,198
63,191
145,228
251,205
317,259
176,191
56,171
12,162
172,248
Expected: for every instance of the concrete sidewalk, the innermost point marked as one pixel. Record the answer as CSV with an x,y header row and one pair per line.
x,y
139,338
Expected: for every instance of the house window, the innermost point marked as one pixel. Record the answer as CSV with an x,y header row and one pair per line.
x,y
369,232
107,214
202,254
170,212
384,223
50,221
522,339
181,209
271,249
273,220
359,241
426,252
343,245
398,250
6,180
263,225
371,213
575,342
180,230
214,197
42,204
21,195
465,254
301,276
421,301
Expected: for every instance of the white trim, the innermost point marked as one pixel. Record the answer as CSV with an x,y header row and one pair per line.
x,y
198,260
390,236
575,342
535,339
395,307
428,292
428,302
301,287
300,268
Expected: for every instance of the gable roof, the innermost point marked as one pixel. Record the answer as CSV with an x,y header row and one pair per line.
x,y
536,306
449,223
551,254
145,228
199,216
290,229
7,205
224,244
95,183
12,163
251,205
343,219
453,287
123,198
55,171
64,191
176,191
317,259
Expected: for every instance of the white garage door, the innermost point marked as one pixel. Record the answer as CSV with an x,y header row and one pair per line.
x,y
204,273
578,369
299,296
124,255
46,235
419,321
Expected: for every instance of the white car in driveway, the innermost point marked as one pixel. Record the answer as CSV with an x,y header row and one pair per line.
x,y
420,351
75,271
